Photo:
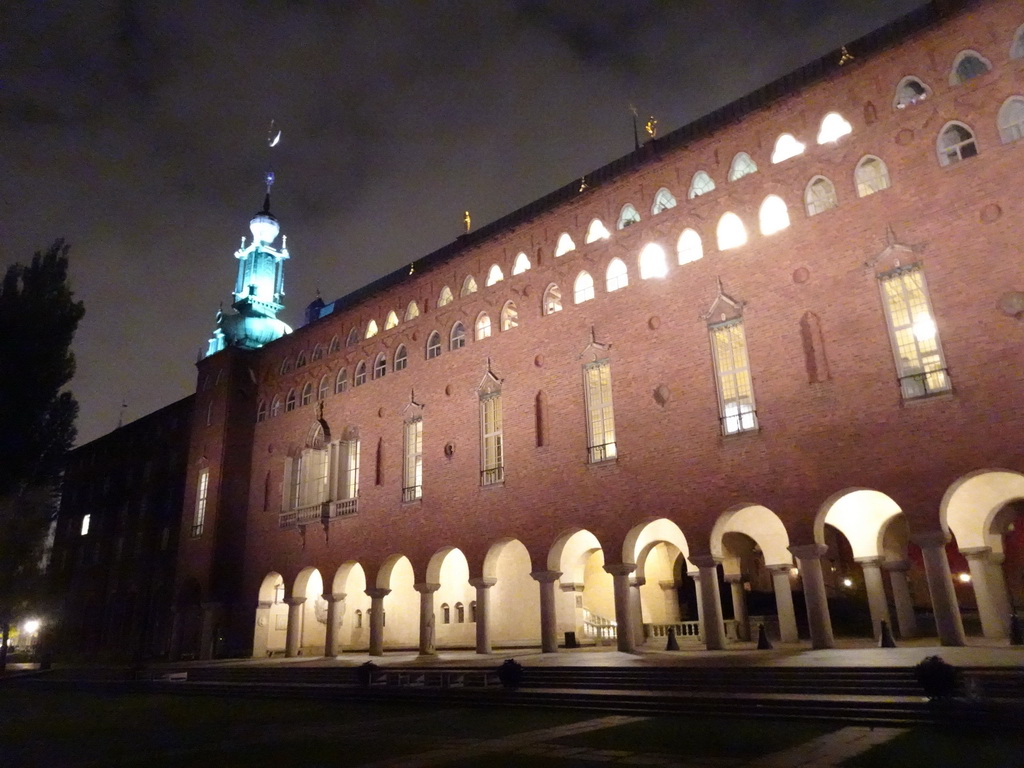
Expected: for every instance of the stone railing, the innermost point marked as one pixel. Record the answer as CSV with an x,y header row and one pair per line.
x,y
343,508
689,630
598,627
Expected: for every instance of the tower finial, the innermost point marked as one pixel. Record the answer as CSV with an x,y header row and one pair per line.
x,y
273,139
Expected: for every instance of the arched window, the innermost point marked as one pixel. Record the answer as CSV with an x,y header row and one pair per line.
x,y
468,286
412,311
290,401
583,288
1017,49
565,244
731,232
773,216
597,231
353,338
968,65
617,276
472,612
335,345
910,91
494,275
552,300
460,613
742,165
457,339
820,196
360,377
700,184
318,352
871,176
1011,120
391,321
324,388
307,393
401,358
483,326
261,411
300,361
371,329
341,383
627,217
286,366
956,143
786,146
833,127
509,316
663,200
275,407
380,366
433,345
359,619
446,613
653,262
522,264
446,297
689,247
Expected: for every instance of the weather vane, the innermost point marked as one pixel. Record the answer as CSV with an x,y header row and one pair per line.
x,y
651,126
845,57
273,139
466,220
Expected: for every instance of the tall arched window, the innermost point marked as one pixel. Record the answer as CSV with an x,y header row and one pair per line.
x,y
552,300
956,143
968,65
871,176
446,614
460,613
820,196
290,401
445,298
833,127
663,200
457,339
275,406
353,338
700,184
286,367
380,366
731,232
522,264
307,393
468,286
910,91
596,231
391,321
652,262
1011,120
773,215
689,247
360,377
786,146
617,275
371,329
261,411
341,383
494,275
412,311
335,346
318,352
509,316
583,288
324,388
483,326
300,361
401,358
433,345
742,165
628,216
565,244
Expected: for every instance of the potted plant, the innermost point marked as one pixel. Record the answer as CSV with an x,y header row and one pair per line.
x,y
511,673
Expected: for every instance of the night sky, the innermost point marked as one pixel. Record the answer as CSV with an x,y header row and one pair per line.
x,y
137,131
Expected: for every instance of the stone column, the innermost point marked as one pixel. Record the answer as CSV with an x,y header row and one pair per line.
x,y
878,606
808,557
992,624
695,575
377,596
261,631
174,649
906,619
548,615
636,610
948,622
483,612
427,637
711,599
208,636
739,605
670,594
783,588
293,636
997,583
624,633
335,612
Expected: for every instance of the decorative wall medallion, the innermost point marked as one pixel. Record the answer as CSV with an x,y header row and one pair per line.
x,y
991,212
801,275
904,137
654,322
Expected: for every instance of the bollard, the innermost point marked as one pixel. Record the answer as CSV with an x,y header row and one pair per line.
x,y
763,643
671,645
885,638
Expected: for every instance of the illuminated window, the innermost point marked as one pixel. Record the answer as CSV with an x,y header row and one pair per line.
x,y
318,352
689,247
300,361
261,411
275,406
833,127
371,329
910,91
552,300
597,231
1011,120
401,358
324,388
968,65
433,345
732,374
290,401
360,377
199,514
956,143
786,146
348,465
307,393
509,316
1017,50
341,383
522,264
468,286
335,345
457,340
492,466
871,176
565,244
616,276
412,311
494,275
583,289
731,232
309,474
742,165
446,297
597,383
628,216
483,326
380,366
86,519
773,216
820,196
412,466
700,184
391,321
663,200
653,262
920,364
353,338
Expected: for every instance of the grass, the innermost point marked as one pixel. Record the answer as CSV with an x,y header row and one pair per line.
x,y
949,748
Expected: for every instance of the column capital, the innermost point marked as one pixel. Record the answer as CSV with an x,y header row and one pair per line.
x,y
668,584
295,600
733,578
705,561
335,597
896,565
927,539
875,561
264,603
570,586
976,553
425,588
619,569
695,575
637,581
377,593
483,582
808,551
781,567
546,577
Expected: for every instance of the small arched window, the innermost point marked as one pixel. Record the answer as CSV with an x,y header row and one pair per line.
x,y
968,65
956,143
353,338
1011,120
583,288
565,244
401,358
359,619
820,196
617,276
335,345
833,127
261,411
742,165
494,275
371,329
786,146
307,393
433,345
300,361
773,215
457,339
286,366
552,300
483,326
324,388
700,184
653,262
871,176
290,401
380,366
318,352
522,264
275,406
412,311
731,233
597,231
628,216
446,297
663,200
689,247
472,612
509,316
341,382
1017,49
391,321
468,286
910,91
446,613
360,377
460,613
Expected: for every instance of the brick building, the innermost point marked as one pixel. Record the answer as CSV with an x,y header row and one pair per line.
x,y
770,353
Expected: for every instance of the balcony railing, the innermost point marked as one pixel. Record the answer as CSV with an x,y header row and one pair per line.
x,y
344,508
286,519
412,493
925,383
311,513
197,530
492,475
603,452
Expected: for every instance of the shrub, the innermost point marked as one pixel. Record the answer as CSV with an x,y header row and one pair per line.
x,y
937,677
511,673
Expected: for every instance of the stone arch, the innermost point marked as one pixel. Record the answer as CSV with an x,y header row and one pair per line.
x,y
513,599
971,507
860,514
348,589
760,524
271,623
449,568
309,637
652,530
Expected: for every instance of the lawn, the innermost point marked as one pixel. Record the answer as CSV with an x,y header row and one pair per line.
x,y
947,748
